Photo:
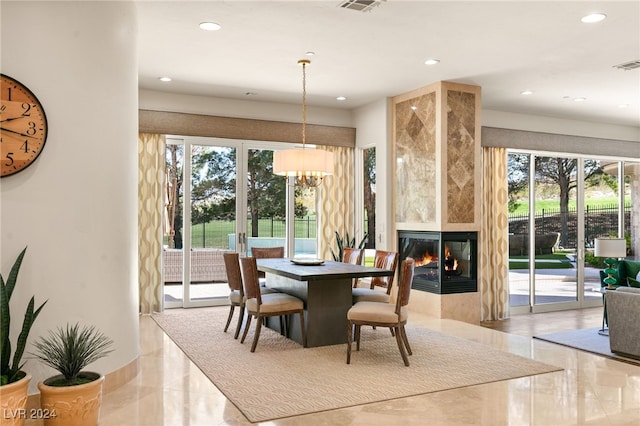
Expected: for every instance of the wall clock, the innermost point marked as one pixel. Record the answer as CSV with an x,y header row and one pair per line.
x,y
23,126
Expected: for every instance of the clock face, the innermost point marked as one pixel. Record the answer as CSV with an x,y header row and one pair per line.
x,y
23,126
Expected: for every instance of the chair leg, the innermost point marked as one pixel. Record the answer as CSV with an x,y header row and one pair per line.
x,y
405,339
246,328
358,326
349,338
239,325
231,309
401,347
256,336
302,329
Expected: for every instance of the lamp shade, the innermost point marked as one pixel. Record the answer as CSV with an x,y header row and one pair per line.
x,y
303,162
610,247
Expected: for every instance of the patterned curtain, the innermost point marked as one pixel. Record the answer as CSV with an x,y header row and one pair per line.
x,y
494,270
151,189
335,201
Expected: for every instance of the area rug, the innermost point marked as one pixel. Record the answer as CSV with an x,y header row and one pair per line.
x,y
281,379
586,340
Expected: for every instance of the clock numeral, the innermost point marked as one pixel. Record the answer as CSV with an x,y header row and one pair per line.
x,y
27,109
32,129
9,158
25,146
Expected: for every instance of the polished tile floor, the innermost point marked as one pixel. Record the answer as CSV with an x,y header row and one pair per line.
x,y
591,390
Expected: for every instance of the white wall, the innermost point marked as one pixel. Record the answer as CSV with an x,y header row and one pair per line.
x,y
76,206
371,122
172,102
537,123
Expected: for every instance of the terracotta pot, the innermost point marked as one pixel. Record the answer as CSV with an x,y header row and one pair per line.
x,y
71,405
13,401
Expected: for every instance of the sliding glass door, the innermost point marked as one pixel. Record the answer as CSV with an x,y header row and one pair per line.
x,y
557,206
235,202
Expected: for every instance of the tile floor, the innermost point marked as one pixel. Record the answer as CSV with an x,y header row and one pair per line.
x,y
592,390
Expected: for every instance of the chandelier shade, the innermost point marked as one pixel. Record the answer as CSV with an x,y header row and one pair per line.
x,y
297,162
307,166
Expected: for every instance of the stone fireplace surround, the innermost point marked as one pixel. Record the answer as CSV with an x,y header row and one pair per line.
x,y
437,172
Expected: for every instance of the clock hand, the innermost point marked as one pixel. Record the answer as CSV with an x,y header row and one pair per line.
x,y
17,133
9,119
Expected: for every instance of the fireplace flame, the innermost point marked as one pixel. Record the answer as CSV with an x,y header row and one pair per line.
x,y
426,259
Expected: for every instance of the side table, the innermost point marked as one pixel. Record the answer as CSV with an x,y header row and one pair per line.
x,y
604,331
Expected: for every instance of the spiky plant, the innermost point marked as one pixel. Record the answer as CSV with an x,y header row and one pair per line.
x,y
346,242
69,350
11,370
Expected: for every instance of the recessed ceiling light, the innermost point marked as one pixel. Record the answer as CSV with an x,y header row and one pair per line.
x,y
526,92
310,53
579,99
593,18
210,26
431,61
341,98
165,79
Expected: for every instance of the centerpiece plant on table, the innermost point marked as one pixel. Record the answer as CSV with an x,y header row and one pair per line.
x,y
73,397
14,381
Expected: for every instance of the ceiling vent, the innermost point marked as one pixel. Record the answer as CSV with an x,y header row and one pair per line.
x,y
628,65
361,5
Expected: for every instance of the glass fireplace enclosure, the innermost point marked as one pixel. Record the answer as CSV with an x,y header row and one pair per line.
x,y
445,262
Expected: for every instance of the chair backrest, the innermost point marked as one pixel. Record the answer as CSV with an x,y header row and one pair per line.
x,y
234,276
352,255
267,252
250,281
404,286
385,260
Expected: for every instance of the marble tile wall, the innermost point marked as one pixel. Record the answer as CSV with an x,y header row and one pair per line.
x,y
461,161
415,138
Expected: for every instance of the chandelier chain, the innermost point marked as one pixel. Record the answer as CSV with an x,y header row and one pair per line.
x,y
304,64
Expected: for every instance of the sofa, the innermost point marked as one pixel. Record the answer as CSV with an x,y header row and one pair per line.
x,y
624,321
626,274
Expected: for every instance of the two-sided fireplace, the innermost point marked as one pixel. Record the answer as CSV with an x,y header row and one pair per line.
x,y
445,262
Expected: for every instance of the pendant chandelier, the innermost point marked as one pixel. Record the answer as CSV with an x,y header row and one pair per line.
x,y
307,166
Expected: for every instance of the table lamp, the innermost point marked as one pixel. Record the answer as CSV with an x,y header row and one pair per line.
x,y
610,248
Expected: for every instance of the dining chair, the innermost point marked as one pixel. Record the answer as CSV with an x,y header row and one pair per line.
x,y
389,315
262,306
353,256
383,260
236,291
266,253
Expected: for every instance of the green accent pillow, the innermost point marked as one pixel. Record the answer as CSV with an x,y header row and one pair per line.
x,y
633,282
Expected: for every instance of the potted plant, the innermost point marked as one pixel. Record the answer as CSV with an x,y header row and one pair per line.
x,y
73,397
13,380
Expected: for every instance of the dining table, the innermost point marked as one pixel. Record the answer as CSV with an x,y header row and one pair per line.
x,y
325,288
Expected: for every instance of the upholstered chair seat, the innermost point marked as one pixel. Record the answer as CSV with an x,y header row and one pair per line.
x,y
361,294
275,302
381,314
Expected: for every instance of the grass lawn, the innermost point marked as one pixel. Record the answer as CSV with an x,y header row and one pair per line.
x,y
592,203
543,261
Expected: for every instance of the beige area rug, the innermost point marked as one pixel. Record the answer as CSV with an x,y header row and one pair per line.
x,y
587,340
281,379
